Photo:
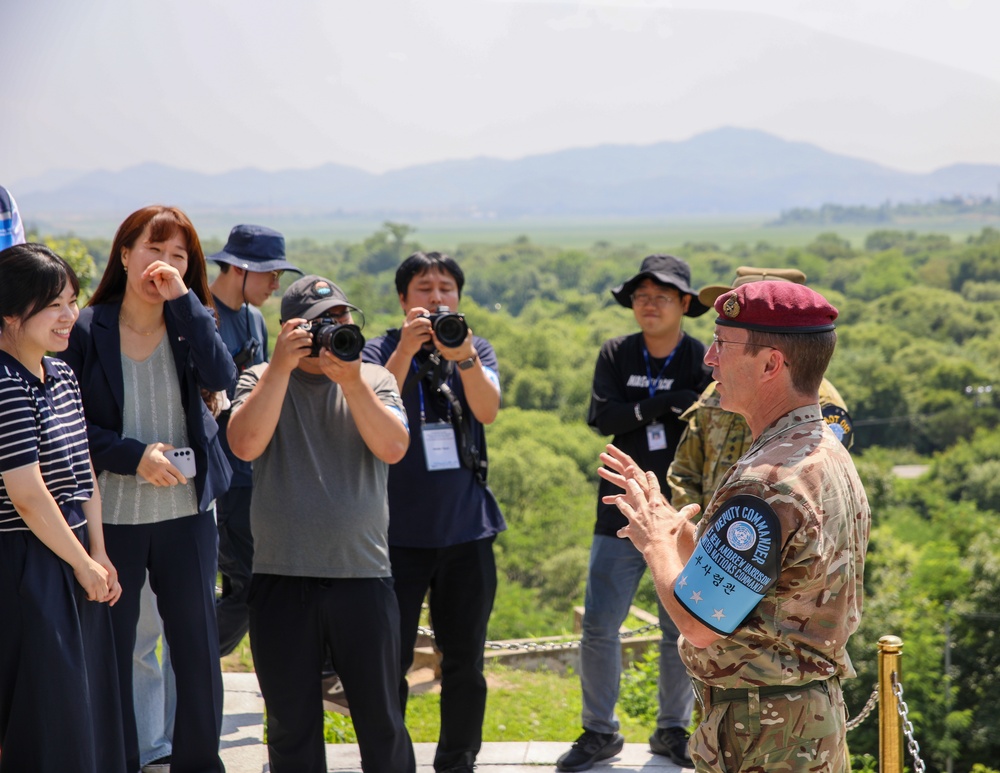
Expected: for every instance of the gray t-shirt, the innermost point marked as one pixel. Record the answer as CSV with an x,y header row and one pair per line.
x,y
319,506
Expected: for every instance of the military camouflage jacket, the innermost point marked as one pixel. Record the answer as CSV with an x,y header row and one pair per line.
x,y
715,439
798,631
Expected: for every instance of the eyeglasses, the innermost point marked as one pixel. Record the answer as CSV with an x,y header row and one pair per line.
x,y
276,275
659,301
718,342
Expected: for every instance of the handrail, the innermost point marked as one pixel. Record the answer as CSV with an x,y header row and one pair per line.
x,y
890,737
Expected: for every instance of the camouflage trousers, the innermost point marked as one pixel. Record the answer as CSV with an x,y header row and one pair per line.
x,y
794,732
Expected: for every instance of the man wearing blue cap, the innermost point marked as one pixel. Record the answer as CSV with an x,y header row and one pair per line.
x,y
251,265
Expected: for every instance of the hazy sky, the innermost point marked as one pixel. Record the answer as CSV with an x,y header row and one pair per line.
x,y
213,85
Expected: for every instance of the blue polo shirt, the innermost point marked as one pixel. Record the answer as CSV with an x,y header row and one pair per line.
x,y
434,509
42,422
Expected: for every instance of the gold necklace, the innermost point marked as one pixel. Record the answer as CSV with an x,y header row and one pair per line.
x,y
121,318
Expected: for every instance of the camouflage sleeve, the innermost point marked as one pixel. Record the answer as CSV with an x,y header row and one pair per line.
x,y
685,474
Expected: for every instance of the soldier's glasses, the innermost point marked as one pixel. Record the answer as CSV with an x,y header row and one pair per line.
x,y
720,341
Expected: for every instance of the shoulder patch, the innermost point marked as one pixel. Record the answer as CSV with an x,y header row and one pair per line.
x,y
839,420
733,565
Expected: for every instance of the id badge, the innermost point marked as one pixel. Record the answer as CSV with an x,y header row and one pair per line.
x,y
440,446
656,436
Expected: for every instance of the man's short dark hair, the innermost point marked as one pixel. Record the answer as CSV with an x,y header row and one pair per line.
x,y
420,263
223,267
807,354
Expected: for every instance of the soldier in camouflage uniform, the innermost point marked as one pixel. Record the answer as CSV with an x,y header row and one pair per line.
x,y
715,439
767,589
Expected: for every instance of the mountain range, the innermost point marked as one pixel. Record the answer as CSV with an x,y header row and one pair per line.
x,y
727,171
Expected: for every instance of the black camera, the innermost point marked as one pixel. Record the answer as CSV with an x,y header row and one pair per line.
x,y
449,326
342,341
244,358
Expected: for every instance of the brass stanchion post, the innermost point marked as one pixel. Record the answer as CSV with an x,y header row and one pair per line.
x,y
890,735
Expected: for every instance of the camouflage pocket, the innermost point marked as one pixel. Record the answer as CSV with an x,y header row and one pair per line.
x,y
802,731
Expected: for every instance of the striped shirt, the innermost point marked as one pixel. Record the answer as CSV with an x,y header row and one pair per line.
x,y
152,412
41,422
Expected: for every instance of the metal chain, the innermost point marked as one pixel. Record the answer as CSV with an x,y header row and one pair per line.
x,y
911,743
532,646
865,711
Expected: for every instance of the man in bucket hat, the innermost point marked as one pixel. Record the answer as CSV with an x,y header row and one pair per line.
x,y
715,439
250,266
321,432
767,588
642,383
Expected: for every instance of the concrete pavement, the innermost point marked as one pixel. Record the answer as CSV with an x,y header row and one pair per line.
x,y
243,749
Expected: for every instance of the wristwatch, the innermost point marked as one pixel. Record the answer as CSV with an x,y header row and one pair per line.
x,y
466,364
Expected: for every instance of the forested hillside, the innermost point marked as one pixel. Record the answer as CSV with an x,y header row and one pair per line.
x,y
918,362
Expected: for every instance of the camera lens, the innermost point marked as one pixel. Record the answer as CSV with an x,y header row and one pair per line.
x,y
343,341
450,328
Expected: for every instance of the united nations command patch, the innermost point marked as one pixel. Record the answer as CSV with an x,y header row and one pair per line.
x,y
839,421
733,565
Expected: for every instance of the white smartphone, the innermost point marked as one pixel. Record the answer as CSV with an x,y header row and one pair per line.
x,y
182,459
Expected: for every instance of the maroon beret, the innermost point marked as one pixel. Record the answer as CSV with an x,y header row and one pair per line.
x,y
775,307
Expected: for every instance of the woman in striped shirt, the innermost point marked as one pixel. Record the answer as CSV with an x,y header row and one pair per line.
x,y
59,706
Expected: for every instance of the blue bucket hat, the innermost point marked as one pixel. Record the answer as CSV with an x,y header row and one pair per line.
x,y
255,248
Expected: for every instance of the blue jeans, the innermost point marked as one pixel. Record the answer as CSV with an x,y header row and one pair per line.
x,y
615,570
153,688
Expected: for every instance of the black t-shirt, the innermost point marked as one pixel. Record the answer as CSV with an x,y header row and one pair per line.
x,y
620,405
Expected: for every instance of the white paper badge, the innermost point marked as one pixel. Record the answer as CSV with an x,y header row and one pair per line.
x,y
440,447
656,436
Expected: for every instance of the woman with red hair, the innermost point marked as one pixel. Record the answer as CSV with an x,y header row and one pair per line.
x,y
143,351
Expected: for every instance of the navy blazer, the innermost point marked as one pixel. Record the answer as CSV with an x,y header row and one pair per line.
x,y
202,360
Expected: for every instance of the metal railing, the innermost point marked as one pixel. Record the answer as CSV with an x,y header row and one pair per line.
x,y
893,716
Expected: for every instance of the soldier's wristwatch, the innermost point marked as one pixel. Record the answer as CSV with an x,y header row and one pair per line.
x,y
466,364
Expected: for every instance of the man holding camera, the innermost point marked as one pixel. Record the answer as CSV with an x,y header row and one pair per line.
x,y
250,266
322,432
443,517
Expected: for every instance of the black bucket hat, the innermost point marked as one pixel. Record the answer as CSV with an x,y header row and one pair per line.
x,y
667,270
255,248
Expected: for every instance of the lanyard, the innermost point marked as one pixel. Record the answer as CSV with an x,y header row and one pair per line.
x,y
420,392
651,384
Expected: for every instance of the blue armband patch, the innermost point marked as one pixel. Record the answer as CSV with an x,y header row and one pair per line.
x,y
839,421
733,565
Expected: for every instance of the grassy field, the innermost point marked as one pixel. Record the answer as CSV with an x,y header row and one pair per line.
x,y
520,706
655,233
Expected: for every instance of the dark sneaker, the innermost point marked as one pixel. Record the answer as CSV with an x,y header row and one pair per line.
x,y
671,742
589,748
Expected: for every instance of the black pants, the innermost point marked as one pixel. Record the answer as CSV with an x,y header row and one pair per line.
x,y
59,704
294,622
236,564
462,580
180,556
